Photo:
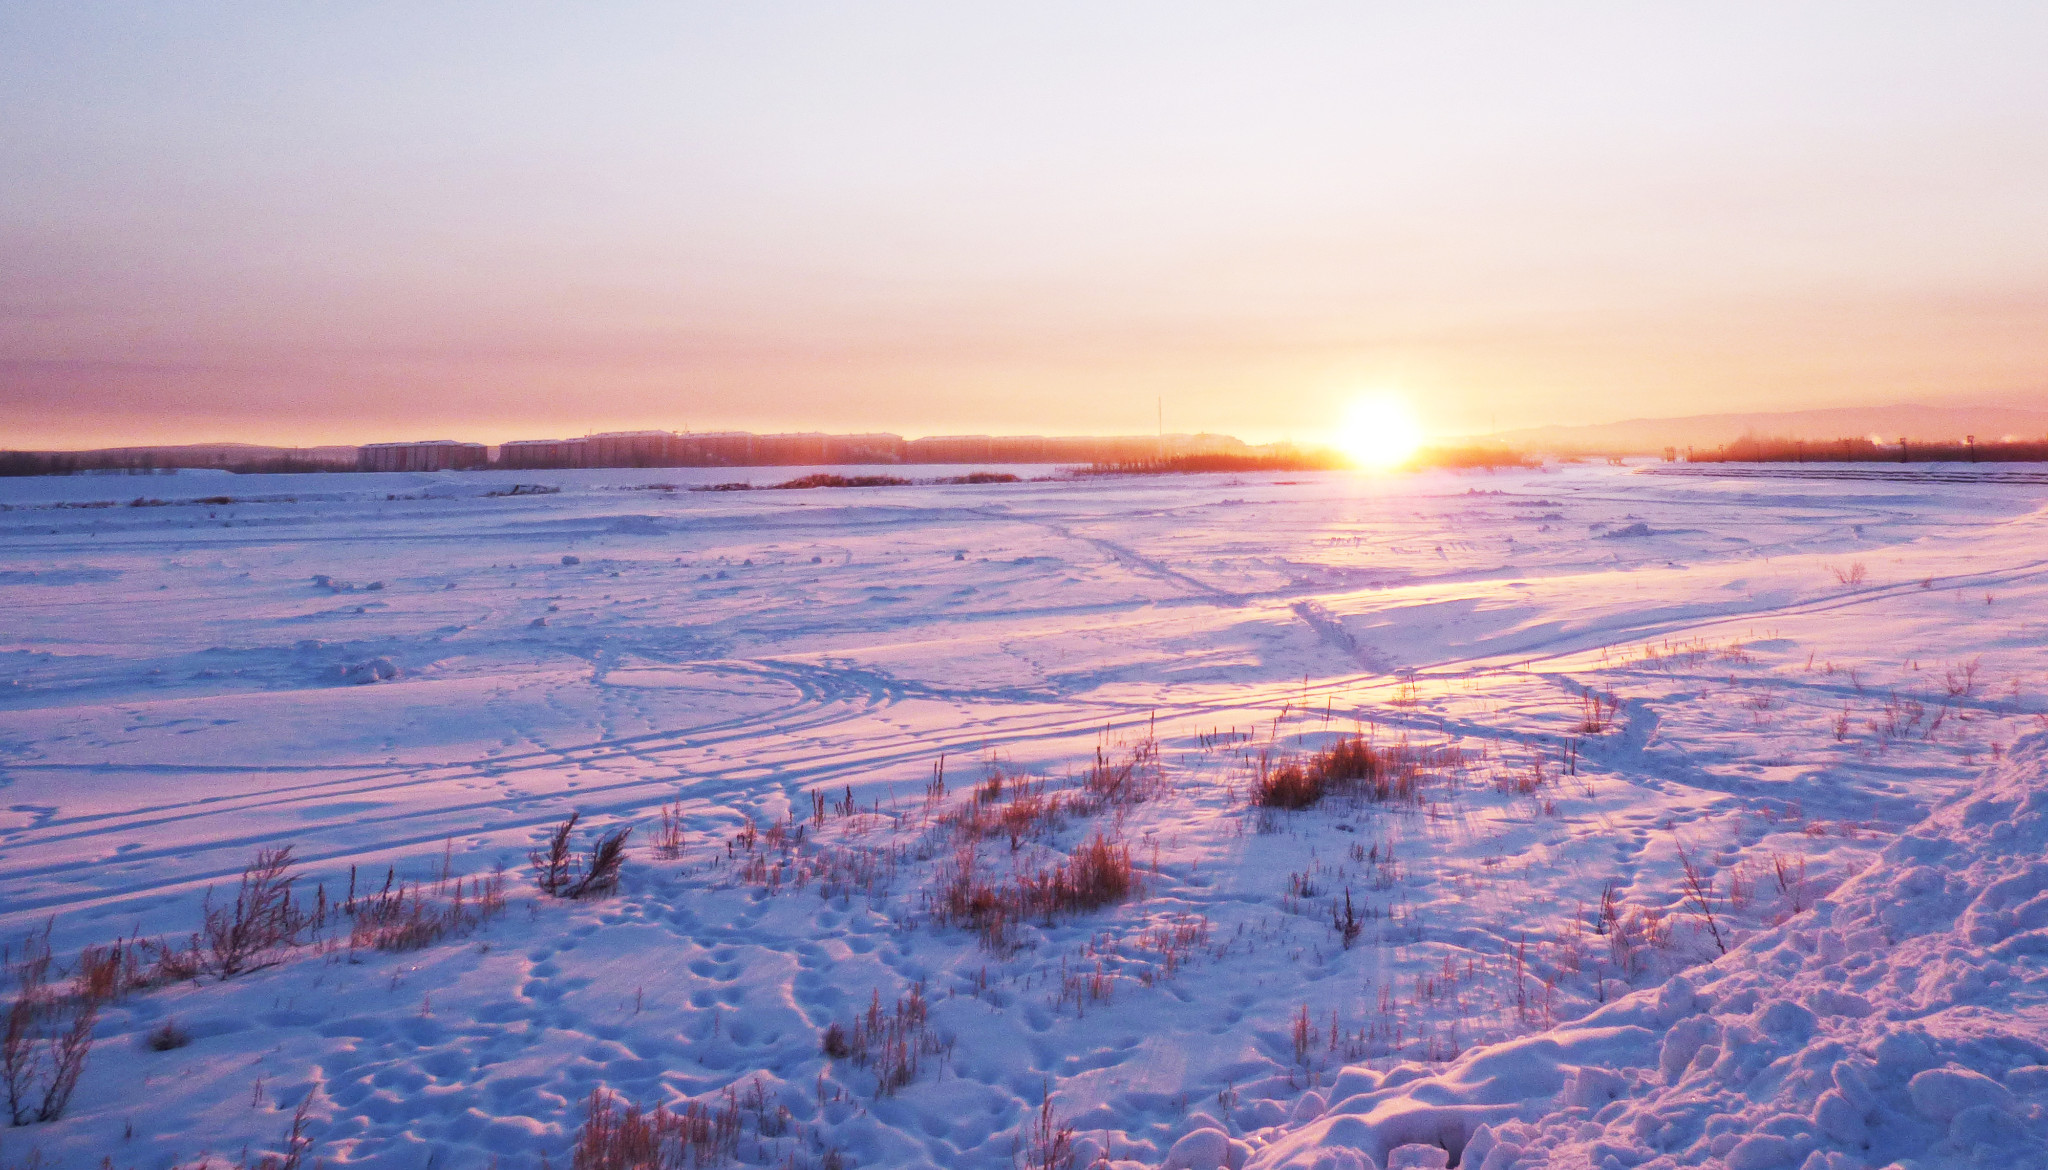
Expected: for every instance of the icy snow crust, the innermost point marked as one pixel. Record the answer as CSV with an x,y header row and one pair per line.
x,y
1866,806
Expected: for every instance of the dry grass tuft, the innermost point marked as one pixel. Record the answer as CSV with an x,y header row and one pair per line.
x,y
621,1135
414,915
1596,713
1352,766
893,1043
264,922
559,872
1098,873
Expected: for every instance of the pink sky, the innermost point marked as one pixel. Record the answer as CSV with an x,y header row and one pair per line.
x,y
316,225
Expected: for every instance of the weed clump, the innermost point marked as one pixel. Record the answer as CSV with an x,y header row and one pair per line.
x,y
1137,777
264,921
826,480
167,1036
46,1035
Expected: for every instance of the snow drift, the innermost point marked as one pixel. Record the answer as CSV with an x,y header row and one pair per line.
x,y
1903,1022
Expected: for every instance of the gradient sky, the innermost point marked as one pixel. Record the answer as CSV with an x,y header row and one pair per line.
x,y
352,222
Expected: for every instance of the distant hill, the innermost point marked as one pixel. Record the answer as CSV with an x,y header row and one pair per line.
x,y
1919,423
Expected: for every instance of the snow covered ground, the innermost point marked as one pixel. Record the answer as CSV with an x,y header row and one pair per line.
x,y
1823,693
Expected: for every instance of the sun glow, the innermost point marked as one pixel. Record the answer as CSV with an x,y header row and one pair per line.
x,y
1380,433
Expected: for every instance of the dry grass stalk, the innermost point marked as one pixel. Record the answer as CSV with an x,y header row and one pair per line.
x,y
1348,925
296,1146
1303,1032
668,832
1791,880
1699,894
551,865
1050,1143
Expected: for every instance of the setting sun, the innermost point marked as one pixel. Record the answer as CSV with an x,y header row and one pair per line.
x,y
1380,433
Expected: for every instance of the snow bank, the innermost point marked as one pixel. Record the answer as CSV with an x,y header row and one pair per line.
x,y
1903,1022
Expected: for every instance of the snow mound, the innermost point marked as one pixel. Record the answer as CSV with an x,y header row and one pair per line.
x,y
1628,533
370,671
1903,1022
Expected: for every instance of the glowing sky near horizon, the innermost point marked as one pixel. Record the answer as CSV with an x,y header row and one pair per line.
x,y
301,223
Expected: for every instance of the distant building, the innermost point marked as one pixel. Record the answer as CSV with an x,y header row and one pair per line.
x,y
633,449
434,455
876,448
949,449
527,454
789,450
716,449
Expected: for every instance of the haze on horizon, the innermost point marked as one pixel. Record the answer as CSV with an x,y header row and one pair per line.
x,y
309,224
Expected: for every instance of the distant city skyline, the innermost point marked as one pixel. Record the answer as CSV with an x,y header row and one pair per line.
x,y
304,225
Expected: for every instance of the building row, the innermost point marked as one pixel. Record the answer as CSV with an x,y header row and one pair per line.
x,y
741,449
715,449
433,455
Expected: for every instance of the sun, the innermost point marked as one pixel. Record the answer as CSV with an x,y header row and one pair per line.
x,y
1380,433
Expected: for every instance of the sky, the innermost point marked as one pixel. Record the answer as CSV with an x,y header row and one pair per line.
x,y
301,223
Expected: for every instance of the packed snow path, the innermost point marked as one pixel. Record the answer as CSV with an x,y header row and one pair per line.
x,y
416,671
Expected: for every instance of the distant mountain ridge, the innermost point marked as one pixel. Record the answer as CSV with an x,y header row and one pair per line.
x,y
1912,421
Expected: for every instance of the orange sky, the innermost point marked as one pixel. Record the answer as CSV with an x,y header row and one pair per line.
x,y
336,226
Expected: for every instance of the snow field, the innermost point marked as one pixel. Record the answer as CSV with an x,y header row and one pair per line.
x,y
183,694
